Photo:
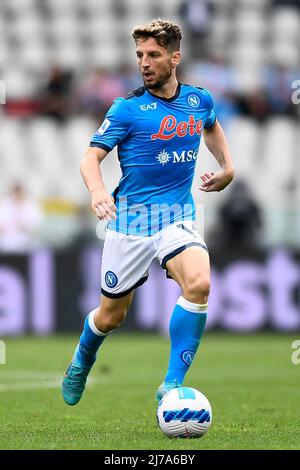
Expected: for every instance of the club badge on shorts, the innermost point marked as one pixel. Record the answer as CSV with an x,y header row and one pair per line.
x,y
111,279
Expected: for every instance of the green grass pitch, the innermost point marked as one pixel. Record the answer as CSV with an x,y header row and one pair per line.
x,y
250,381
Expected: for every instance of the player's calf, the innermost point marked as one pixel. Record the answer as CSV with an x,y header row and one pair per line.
x,y
98,324
112,312
107,320
75,378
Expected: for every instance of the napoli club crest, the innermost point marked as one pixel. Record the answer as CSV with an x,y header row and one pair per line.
x,y
111,279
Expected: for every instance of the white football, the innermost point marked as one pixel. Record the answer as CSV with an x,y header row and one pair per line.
x,y
184,412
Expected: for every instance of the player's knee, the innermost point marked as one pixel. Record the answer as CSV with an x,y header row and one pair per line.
x,y
109,324
197,289
110,320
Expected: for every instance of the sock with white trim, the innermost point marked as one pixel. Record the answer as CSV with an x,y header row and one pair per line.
x,y
186,328
89,343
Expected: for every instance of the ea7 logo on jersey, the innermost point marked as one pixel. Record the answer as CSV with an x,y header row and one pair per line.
x,y
145,107
105,125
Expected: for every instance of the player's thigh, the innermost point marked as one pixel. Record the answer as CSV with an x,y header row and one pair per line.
x,y
191,269
125,263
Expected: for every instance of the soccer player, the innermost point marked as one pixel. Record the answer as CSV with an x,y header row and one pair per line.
x,y
151,214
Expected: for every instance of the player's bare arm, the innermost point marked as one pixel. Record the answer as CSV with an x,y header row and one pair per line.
x,y
102,202
216,143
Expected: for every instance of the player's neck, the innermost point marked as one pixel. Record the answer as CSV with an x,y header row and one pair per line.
x,y
168,90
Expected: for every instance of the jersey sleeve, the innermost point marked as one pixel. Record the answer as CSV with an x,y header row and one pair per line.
x,y
211,116
115,127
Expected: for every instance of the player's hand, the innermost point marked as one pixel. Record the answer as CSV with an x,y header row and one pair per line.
x,y
215,181
103,205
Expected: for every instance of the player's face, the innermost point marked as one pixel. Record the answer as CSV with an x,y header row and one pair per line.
x,y
155,63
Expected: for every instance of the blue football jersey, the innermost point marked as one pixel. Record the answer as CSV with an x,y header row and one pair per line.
x,y
158,141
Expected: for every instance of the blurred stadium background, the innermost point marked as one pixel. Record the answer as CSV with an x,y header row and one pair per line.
x,y
62,62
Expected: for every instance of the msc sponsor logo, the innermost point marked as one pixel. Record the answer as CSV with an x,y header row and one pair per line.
x,y
146,107
184,415
163,157
185,156
169,128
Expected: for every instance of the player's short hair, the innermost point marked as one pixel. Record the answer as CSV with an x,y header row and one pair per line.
x,y
166,33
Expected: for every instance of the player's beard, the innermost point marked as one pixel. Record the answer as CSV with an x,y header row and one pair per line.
x,y
161,80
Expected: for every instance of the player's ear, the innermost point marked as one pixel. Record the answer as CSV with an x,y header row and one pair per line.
x,y
176,58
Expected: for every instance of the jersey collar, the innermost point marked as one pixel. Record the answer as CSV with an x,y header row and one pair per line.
x,y
167,99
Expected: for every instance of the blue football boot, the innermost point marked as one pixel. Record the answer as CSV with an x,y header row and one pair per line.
x,y
165,387
74,382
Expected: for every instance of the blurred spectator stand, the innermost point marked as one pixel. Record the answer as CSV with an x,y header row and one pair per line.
x,y
20,220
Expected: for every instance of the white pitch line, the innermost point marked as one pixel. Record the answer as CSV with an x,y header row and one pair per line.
x,y
28,374
29,386
32,380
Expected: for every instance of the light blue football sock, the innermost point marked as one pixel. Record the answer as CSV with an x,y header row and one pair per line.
x,y
186,328
89,343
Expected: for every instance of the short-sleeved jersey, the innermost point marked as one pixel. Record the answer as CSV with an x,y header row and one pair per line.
x,y
158,141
